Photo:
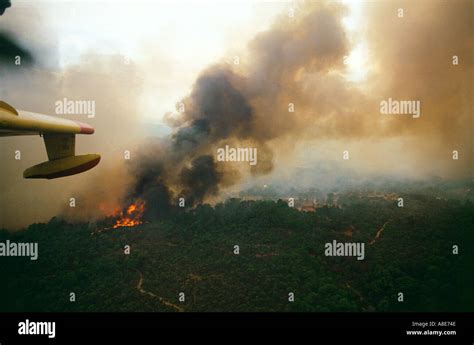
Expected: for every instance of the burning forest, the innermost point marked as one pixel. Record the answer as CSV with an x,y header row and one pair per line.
x,y
276,97
289,95
132,216
242,107
259,156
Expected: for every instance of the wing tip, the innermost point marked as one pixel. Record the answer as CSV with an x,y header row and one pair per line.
x,y
62,167
85,128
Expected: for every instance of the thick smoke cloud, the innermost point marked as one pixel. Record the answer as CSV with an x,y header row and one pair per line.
x,y
415,57
245,108
215,110
298,60
201,179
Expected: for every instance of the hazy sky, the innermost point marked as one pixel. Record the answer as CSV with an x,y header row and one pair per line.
x,y
171,40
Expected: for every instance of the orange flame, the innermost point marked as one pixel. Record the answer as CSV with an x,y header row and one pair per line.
x,y
133,215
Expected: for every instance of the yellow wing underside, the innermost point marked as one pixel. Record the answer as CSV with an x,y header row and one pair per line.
x,y
59,138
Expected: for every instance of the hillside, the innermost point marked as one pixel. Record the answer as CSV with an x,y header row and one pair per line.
x,y
281,250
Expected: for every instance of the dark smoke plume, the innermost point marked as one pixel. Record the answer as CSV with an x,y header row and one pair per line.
x,y
9,47
4,4
244,109
201,179
300,60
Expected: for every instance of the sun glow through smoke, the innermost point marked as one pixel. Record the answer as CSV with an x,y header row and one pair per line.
x,y
357,62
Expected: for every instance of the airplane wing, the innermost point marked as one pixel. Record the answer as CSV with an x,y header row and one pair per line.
x,y
59,138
